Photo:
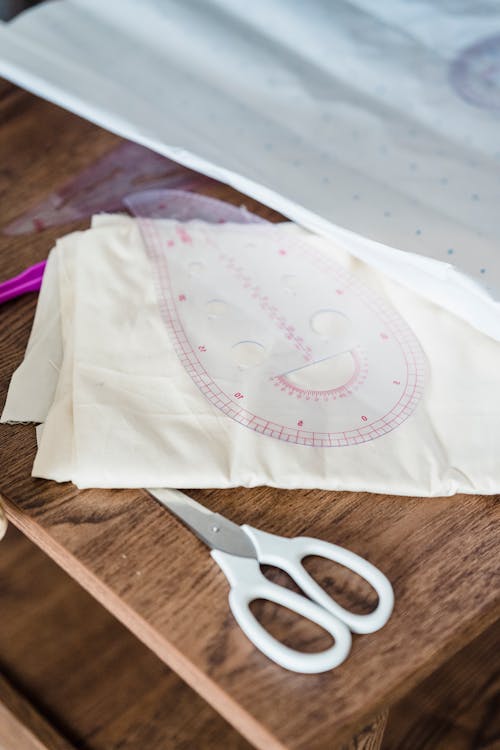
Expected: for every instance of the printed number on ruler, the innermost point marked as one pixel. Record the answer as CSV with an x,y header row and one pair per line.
x,y
295,347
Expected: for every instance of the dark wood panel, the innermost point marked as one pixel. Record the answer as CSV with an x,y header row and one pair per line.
x,y
104,690
84,674
458,708
21,725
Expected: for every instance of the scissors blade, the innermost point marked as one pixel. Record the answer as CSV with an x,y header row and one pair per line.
x,y
213,529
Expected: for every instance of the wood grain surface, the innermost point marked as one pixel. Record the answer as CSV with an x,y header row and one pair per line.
x,y
83,672
21,725
457,708
90,680
153,575
371,737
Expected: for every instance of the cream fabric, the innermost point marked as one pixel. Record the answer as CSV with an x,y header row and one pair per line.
x,y
119,410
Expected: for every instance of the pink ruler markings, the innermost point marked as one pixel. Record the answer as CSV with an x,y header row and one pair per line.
x,y
396,325
186,352
357,379
270,310
391,320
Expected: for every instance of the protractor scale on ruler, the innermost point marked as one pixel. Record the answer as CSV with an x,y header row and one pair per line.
x,y
279,337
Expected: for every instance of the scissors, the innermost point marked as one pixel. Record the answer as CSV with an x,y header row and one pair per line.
x,y
240,550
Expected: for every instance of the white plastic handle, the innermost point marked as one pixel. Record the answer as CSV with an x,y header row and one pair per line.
x,y
247,584
288,554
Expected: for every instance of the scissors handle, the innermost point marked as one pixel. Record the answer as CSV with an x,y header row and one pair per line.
x,y
248,584
288,554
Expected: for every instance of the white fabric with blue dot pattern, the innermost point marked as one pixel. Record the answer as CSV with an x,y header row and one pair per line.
x,y
380,118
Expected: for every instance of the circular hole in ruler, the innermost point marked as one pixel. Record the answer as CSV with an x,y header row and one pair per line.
x,y
248,354
196,268
216,308
330,323
326,374
290,283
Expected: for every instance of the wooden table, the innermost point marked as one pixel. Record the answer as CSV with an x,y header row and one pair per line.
x,y
148,571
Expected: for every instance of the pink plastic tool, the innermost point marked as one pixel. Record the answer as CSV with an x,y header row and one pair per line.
x,y
29,280
275,333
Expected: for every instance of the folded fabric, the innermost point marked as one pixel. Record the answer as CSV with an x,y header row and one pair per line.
x,y
121,404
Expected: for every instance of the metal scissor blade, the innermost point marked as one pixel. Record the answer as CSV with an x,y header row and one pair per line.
x,y
216,531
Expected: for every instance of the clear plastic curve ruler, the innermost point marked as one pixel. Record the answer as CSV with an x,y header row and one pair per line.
x,y
274,332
